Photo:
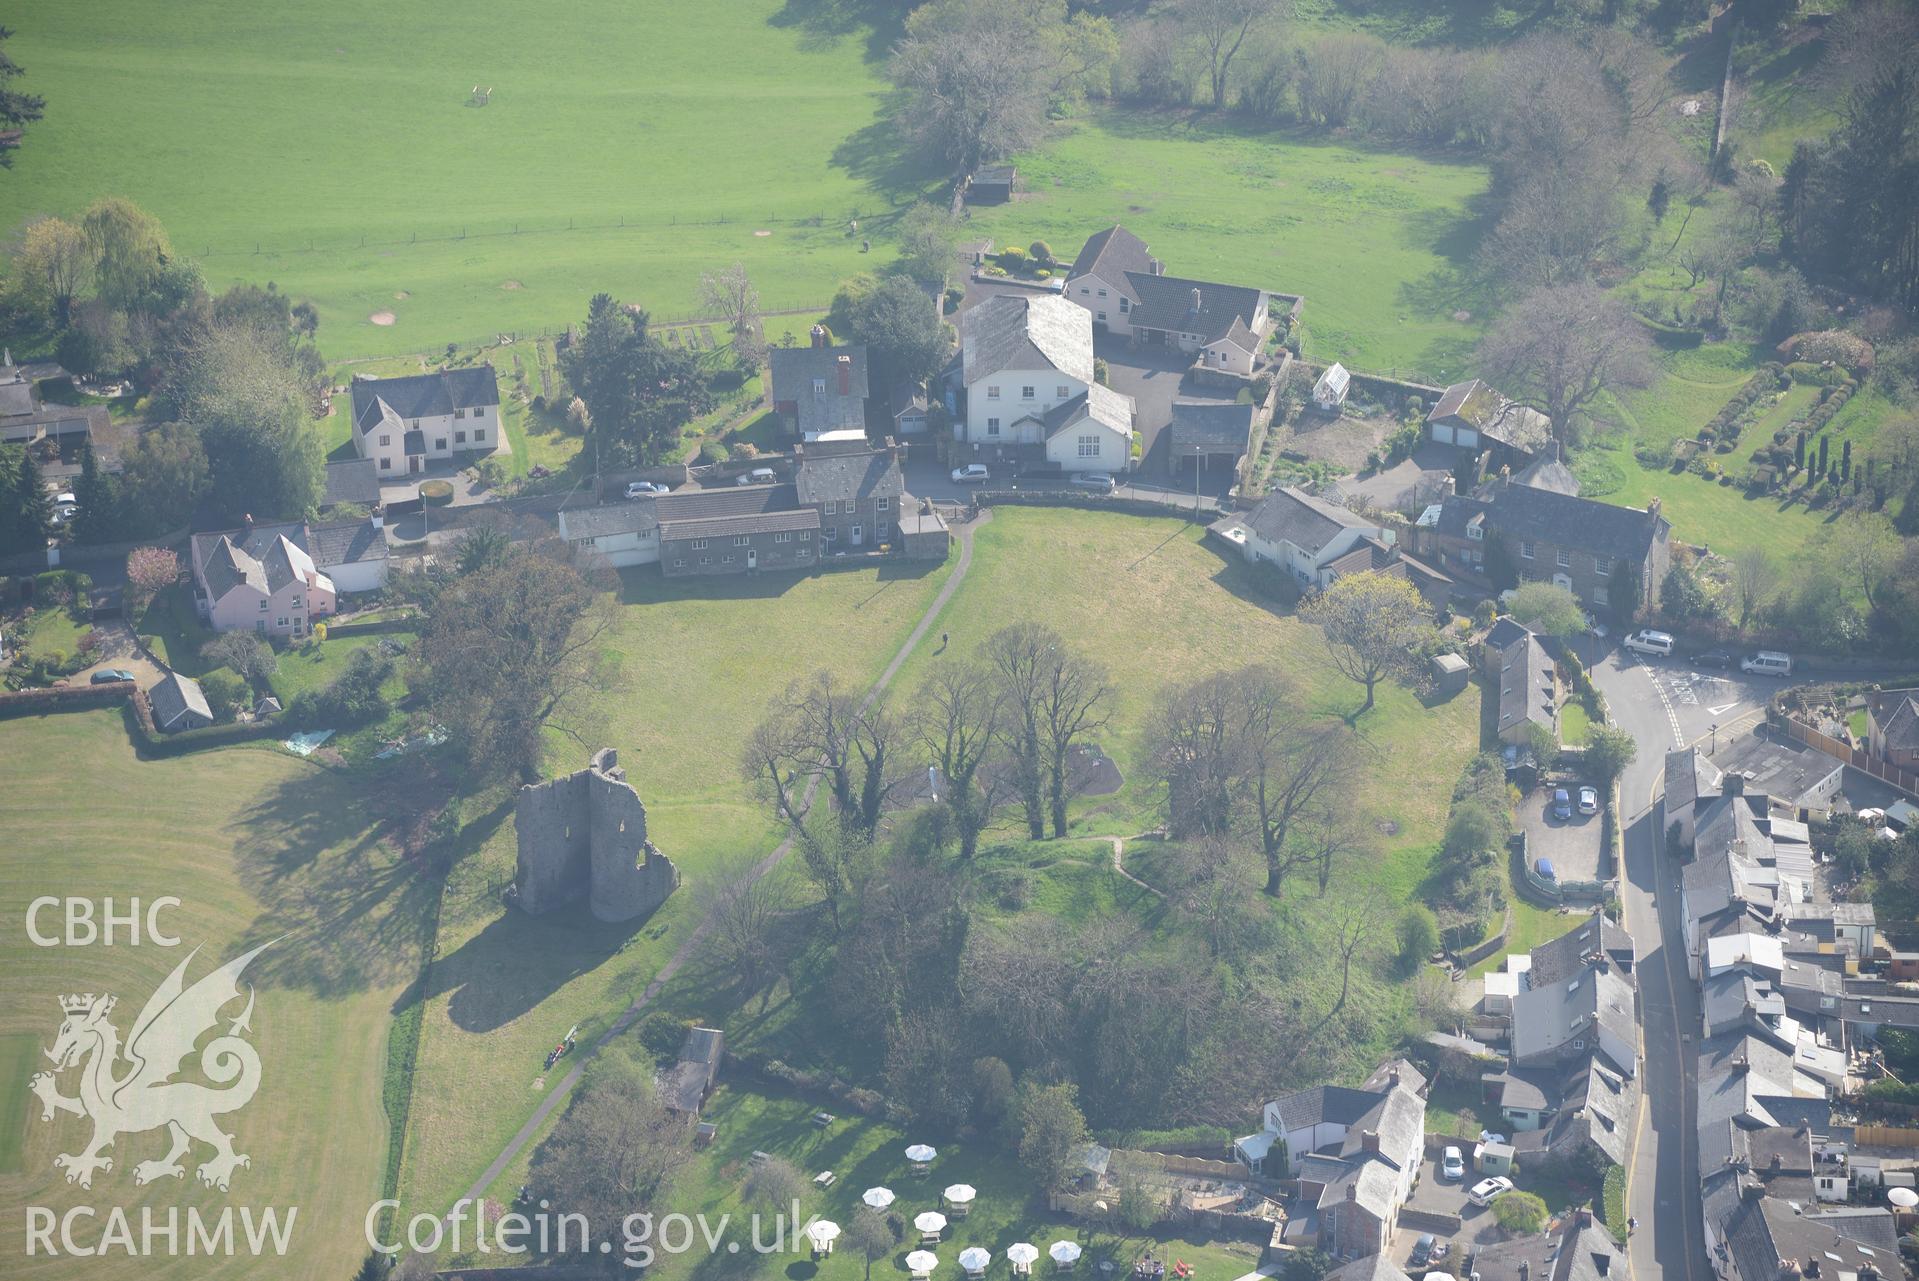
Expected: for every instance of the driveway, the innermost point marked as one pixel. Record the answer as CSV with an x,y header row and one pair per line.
x,y
117,650
1574,846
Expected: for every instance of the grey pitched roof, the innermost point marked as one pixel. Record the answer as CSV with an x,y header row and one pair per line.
x,y
1506,632
703,1046
1398,1117
1597,1107
1763,1232
1690,777
1166,302
348,543
770,522
1382,1077
1526,685
1559,959
1868,1225
1100,404
1740,1076
258,557
1547,472
173,696
1221,423
1334,1103
414,442
1027,331
351,480
1736,997
1547,1018
683,1087
1291,516
1110,255
1570,1254
1528,1089
1519,511
424,395
1475,404
838,477
635,517
1372,1267
1375,1184
728,500
1728,850
794,371
16,393
1897,712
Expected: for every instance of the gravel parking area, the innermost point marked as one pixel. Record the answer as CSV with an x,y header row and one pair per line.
x,y
1574,845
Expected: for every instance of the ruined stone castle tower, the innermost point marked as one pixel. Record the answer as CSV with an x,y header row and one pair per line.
x,y
583,836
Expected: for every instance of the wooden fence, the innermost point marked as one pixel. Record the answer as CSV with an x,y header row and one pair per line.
x,y
1904,779
1885,1136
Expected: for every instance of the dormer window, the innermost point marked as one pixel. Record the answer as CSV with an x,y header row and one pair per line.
x,y
1476,532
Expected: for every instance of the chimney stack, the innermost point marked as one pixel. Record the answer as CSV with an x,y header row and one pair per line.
x,y
1732,784
1652,508
1195,297
845,365
819,335
1584,1216
1352,1192
1392,1077
1369,1140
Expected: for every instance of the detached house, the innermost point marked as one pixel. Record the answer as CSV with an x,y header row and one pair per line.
x,y
1313,540
819,388
1027,368
278,580
1892,727
405,423
1126,291
1604,554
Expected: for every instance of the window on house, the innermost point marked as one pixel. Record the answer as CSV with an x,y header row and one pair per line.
x,y
1602,566
992,393
1125,305
1525,549
1601,596
386,464
1565,559
386,440
459,438
1084,291
1062,391
1089,446
1026,393
1476,533
782,538
727,559
830,535
881,504
459,413
699,544
479,411
281,623
992,426
806,535
263,607
479,435
439,442
741,540
819,386
1102,293
679,564
1102,315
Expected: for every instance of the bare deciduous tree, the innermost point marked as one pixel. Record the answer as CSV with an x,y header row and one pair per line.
x,y
1220,29
1019,656
741,913
1558,347
958,724
1755,576
1075,703
729,294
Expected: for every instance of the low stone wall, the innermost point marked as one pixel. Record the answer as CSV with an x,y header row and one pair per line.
x,y
1429,1221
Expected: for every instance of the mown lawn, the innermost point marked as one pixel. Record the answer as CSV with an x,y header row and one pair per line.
x,y
698,660
257,846
1378,242
298,669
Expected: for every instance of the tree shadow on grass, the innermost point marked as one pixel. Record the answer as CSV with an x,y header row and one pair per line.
x,y
823,24
881,156
347,911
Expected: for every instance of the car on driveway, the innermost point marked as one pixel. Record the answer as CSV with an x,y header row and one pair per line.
x,y
1423,1250
971,474
645,489
1562,804
1452,1165
1588,800
759,476
1095,480
1485,1190
1648,641
108,675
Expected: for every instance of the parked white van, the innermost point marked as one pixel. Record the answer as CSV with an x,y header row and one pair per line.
x,y
1767,662
1649,642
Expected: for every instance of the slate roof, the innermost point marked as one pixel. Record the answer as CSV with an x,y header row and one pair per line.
x,y
683,1087
424,395
1376,1185
267,558
1110,255
16,392
1761,1233
1548,1017
1409,1076
635,517
1897,714
1369,556
1506,632
1736,996
1335,1103
351,480
348,543
1287,515
1782,769
793,371
1728,850
1868,1225
1398,1117
1742,1076
1220,424
729,500
1519,511
1526,685
1574,1253
173,697
1372,1267
1528,1089
1690,777
772,522
1475,404
1166,302
1547,472
1561,958
1100,404
839,477
1027,331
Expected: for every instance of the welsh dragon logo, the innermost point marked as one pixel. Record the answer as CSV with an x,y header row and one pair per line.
x,y
125,1090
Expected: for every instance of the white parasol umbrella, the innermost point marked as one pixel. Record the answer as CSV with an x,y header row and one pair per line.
x,y
1064,1251
1904,1198
930,1221
920,1153
922,1261
878,1198
1022,1253
821,1232
961,1193
974,1259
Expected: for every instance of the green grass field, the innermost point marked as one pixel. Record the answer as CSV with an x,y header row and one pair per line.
x,y
1378,242
349,168
258,846
699,660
